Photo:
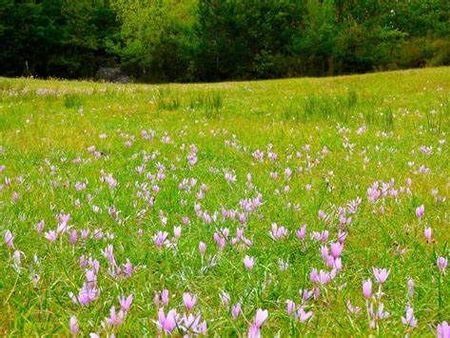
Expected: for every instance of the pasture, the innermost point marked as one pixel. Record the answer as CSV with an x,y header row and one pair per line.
x,y
144,210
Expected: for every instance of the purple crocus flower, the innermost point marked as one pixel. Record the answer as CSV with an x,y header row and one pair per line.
x,y
9,239
73,324
367,289
420,211
443,330
167,322
442,263
189,300
380,275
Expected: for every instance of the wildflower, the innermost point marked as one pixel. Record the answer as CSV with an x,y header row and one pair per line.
x,y
189,300
192,323
377,315
367,289
86,295
301,233
73,237
9,239
427,233
283,265
115,319
278,232
202,248
255,328
51,235
40,226
321,277
380,275
162,297
352,309
306,294
420,211
17,259
73,324
125,303
225,298
409,319
235,311
443,330
160,238
249,262
290,306
336,249
128,268
177,232
167,322
230,177
303,316
442,263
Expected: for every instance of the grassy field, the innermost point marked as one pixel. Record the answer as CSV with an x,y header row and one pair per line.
x,y
228,196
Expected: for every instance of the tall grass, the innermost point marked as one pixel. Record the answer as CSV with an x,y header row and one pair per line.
x,y
314,107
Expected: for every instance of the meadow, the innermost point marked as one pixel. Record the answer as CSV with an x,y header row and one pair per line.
x,y
297,207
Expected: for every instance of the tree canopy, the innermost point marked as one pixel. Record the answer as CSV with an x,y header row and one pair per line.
x,y
211,40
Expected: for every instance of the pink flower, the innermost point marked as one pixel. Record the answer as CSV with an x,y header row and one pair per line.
x,y
9,239
443,330
192,324
225,298
165,296
115,319
167,323
249,262
278,232
254,332
420,211
321,277
380,275
427,233
160,238
255,329
40,226
352,308
301,233
367,288
73,237
306,294
189,300
73,324
162,297
260,317
409,318
290,306
128,268
125,303
86,295
235,311
442,263
202,248
314,275
336,249
177,232
51,235
303,316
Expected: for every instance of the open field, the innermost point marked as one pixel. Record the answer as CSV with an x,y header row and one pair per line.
x,y
231,194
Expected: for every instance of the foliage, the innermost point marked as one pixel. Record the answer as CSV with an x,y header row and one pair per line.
x,y
210,40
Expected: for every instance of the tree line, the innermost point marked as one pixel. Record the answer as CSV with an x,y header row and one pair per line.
x,y
212,40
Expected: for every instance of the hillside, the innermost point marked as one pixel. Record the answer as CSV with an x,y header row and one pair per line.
x,y
236,198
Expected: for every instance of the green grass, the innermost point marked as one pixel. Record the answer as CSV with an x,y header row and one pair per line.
x,y
338,135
